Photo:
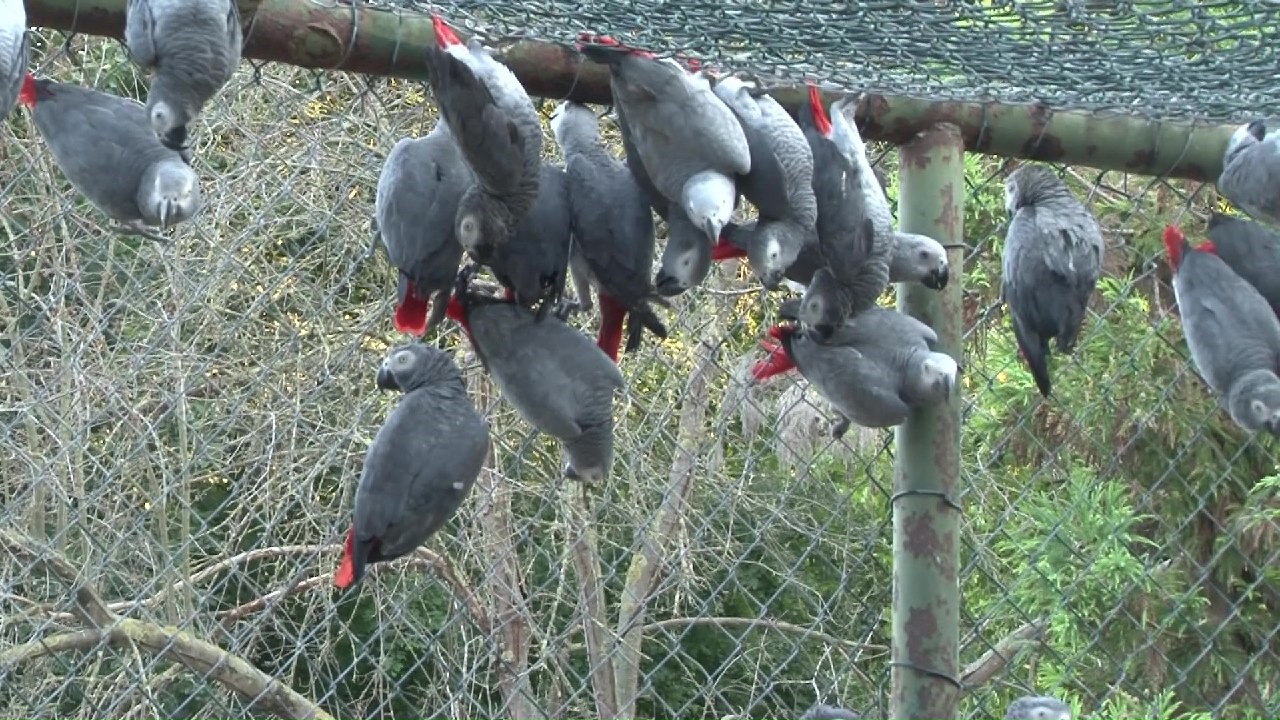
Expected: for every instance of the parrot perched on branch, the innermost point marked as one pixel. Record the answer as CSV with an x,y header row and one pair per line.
x,y
104,145
194,47
422,464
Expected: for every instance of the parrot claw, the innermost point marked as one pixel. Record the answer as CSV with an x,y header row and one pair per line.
x,y
565,308
138,230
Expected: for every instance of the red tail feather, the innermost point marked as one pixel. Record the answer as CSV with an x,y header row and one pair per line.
x,y
346,573
820,119
410,315
1173,240
445,36
1207,247
27,95
777,363
778,331
455,312
612,313
725,250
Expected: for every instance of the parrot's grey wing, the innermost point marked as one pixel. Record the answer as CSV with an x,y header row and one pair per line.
x,y
394,465
490,141
543,382
615,232
139,33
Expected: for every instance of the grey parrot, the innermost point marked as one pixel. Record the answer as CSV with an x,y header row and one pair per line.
x,y
1250,176
686,258
874,368
533,263
104,145
916,258
421,182
855,228
613,226
691,144
496,128
14,50
1052,258
818,711
780,184
1250,249
554,376
194,47
422,463
1233,335
1037,707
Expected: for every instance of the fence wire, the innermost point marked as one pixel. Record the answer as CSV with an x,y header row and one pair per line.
x,y
184,425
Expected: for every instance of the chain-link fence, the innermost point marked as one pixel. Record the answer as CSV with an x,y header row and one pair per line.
x,y
184,426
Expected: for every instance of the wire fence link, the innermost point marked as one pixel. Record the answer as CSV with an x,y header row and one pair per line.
x,y
184,426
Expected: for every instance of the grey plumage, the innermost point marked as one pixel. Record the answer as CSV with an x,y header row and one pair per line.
x,y
1052,259
1250,176
14,51
1233,334
919,258
194,47
553,375
419,187
613,226
422,463
497,130
1037,707
1251,250
690,142
779,185
534,262
104,145
819,711
874,368
854,227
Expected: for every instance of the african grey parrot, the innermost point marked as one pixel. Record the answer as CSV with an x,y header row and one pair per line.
x,y
1037,707
1233,334
613,227
421,182
686,258
1250,176
13,52
497,130
780,184
1250,249
422,463
691,143
874,368
916,258
1052,258
819,711
533,263
104,145
194,47
554,376
855,228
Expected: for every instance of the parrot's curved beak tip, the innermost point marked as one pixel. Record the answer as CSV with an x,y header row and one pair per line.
x,y
166,213
937,279
822,333
771,280
667,285
385,380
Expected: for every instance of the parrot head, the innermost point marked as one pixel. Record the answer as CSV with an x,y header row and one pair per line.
x,y
708,199
820,307
773,249
1037,708
1254,401
169,193
482,224
926,260
686,260
414,365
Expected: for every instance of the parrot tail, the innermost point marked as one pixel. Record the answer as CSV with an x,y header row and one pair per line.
x,y
27,95
445,36
820,119
725,250
352,568
612,313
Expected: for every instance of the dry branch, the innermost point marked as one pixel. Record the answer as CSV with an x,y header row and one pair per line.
x,y
586,561
202,658
361,38
653,543
980,671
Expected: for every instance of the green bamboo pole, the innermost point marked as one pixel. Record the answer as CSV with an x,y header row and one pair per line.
x,y
379,41
926,517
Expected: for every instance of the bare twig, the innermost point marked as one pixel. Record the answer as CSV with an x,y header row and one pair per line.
x,y
202,658
980,671
653,543
757,624
586,561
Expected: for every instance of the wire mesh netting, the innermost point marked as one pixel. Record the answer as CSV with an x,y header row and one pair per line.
x,y
184,425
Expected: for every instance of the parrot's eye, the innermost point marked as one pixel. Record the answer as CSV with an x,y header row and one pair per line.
x,y
402,358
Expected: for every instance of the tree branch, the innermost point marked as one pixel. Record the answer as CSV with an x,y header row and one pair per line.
x,y
580,522
980,671
653,543
89,608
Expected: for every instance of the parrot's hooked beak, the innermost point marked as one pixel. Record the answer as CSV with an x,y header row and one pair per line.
x,y
385,380
166,212
937,279
713,232
822,333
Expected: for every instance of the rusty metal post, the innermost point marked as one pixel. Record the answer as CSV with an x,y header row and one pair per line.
x,y
926,511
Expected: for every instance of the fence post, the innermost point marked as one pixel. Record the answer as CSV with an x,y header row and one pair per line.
x,y
926,516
